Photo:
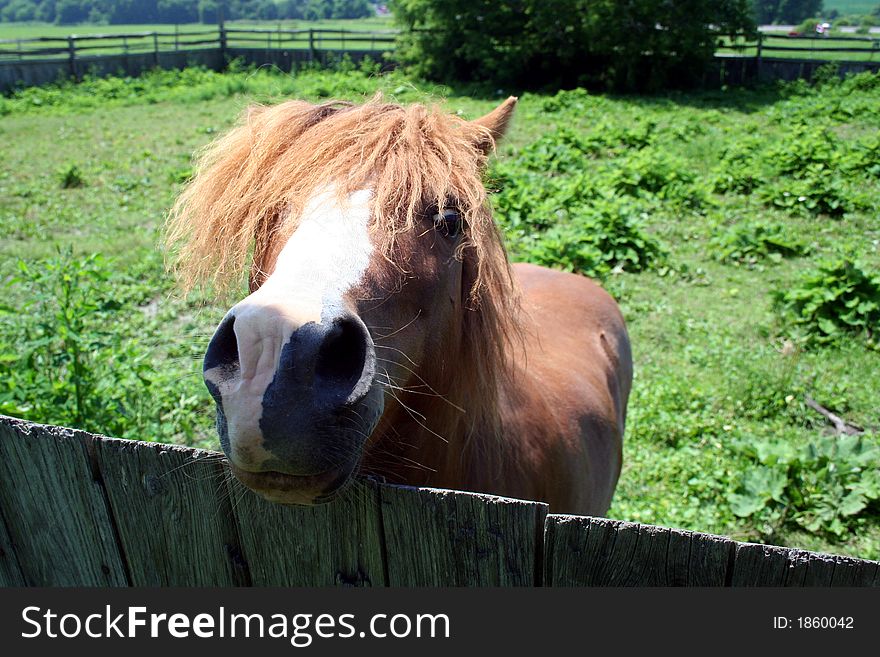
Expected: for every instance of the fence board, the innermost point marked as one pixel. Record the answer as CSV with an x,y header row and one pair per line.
x,y
338,544
769,565
180,495
444,538
583,551
10,570
79,509
55,510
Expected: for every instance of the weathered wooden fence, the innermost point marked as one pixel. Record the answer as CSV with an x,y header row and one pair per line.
x,y
40,60
81,509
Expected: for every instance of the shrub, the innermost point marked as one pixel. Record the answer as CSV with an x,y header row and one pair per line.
x,y
750,242
71,177
66,361
606,236
739,168
820,192
824,486
836,300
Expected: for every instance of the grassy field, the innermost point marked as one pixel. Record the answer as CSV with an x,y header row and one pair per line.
x,y
29,30
738,229
850,7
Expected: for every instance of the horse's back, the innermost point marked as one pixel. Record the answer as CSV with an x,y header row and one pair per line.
x,y
577,378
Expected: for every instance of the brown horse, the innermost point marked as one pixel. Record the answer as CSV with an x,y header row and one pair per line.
x,y
385,331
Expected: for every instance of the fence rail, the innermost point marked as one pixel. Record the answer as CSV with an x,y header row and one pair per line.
x,y
81,509
833,48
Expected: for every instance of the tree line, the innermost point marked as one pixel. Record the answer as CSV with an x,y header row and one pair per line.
x,y
70,12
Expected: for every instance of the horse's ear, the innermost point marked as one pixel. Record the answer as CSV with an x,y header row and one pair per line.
x,y
496,123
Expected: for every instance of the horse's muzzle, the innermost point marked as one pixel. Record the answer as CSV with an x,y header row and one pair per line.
x,y
295,433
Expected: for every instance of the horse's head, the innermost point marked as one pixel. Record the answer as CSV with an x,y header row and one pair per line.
x,y
370,243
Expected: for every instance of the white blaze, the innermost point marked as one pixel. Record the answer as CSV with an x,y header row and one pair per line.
x,y
323,259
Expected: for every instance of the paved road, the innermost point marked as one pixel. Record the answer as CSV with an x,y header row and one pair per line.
x,y
790,28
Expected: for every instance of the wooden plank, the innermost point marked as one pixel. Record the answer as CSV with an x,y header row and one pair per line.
x,y
708,559
855,572
584,551
770,565
447,538
334,544
173,514
10,571
55,509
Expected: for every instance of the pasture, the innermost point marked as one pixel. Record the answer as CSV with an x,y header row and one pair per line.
x,y
738,229
36,29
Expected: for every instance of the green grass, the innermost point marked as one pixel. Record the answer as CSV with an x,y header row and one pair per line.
x,y
721,373
850,7
29,30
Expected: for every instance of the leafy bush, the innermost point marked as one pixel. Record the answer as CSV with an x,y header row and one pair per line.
x,y
808,150
597,239
819,192
654,173
826,485
750,242
838,299
66,362
557,213
71,177
739,169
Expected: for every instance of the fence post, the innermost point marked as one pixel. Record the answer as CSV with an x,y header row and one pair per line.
x,y
20,53
176,37
311,45
71,49
758,58
222,28
156,48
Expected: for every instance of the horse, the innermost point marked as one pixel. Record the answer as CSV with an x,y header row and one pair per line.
x,y
385,330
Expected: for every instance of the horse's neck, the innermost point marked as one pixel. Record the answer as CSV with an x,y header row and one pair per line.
x,y
431,440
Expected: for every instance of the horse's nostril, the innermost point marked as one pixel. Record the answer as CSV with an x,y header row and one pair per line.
x,y
223,348
342,354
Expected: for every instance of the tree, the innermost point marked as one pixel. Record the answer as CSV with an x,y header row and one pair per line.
x,y
68,12
785,11
628,44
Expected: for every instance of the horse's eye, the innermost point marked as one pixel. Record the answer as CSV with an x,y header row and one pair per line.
x,y
448,221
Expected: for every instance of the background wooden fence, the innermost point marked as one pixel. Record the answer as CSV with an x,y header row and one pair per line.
x,y
41,60
81,509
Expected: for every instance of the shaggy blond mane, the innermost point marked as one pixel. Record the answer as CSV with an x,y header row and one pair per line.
x,y
252,185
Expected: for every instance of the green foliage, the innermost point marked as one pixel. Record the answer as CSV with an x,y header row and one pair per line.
x,y
66,344
838,299
827,485
70,177
785,11
558,212
817,193
64,361
750,242
739,168
608,43
195,85
596,239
